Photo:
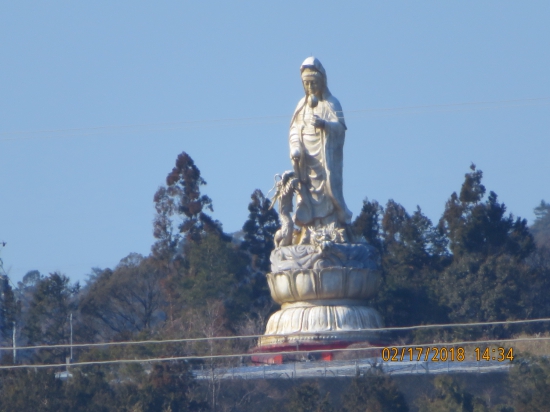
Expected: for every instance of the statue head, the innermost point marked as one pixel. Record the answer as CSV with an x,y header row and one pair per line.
x,y
314,78
313,82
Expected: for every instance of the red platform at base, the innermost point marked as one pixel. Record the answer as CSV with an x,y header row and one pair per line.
x,y
326,356
271,354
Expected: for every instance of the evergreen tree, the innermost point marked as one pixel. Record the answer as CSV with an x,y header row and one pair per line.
x,y
26,288
89,391
31,390
413,251
541,226
8,308
47,320
168,388
215,271
487,277
411,243
181,197
537,304
201,266
367,224
481,228
259,231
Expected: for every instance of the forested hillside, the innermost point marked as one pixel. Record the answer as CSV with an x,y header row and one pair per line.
x,y
478,263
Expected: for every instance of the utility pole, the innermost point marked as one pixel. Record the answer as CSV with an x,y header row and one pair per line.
x,y
14,345
71,323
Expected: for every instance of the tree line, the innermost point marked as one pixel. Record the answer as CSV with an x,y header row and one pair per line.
x,y
477,263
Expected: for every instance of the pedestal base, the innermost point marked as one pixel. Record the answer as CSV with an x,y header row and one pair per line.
x,y
303,322
323,289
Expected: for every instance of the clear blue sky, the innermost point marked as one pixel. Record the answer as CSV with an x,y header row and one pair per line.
x,y
98,98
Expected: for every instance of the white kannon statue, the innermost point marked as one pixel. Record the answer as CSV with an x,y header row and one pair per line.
x,y
317,134
321,275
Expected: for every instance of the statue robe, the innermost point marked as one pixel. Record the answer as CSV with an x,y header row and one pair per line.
x,y
321,162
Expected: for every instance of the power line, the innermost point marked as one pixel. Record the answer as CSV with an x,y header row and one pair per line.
x,y
449,105
261,120
238,355
215,338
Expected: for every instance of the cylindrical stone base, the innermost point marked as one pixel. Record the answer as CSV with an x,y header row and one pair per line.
x,y
303,322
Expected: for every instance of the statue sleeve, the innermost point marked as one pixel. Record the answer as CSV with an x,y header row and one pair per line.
x,y
294,138
294,134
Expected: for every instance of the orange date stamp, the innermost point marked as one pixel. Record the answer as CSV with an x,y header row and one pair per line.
x,y
446,354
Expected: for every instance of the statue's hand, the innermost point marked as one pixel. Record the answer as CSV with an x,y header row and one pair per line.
x,y
295,153
318,122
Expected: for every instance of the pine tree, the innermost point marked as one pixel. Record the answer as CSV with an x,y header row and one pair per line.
x,y
169,387
413,251
257,245
259,230
8,304
8,308
47,320
481,228
367,223
537,304
31,390
88,390
541,226
487,277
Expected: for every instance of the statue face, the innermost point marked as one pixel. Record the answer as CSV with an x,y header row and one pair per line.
x,y
312,85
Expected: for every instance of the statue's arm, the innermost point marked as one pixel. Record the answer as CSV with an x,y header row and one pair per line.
x,y
335,126
335,115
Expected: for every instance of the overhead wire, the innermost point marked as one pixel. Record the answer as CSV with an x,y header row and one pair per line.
x,y
222,338
262,120
259,354
460,104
